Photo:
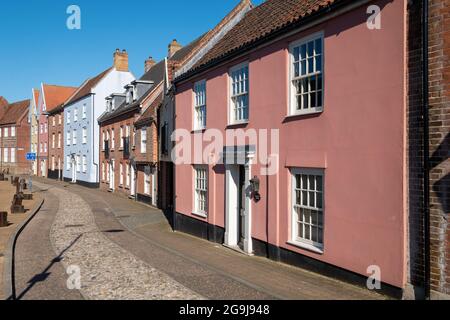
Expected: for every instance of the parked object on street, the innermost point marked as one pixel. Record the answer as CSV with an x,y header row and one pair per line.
x,y
3,219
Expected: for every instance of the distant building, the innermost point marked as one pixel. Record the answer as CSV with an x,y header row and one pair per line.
x,y
81,129
15,138
34,128
50,98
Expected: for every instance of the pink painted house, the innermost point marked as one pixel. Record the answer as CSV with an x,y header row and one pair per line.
x,y
334,86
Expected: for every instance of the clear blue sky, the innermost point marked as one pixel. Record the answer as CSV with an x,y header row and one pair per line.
x,y
36,46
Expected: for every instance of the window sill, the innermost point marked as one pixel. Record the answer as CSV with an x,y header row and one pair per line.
x,y
201,130
200,215
303,113
238,124
306,246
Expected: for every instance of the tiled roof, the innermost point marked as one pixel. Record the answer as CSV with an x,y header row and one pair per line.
x,y
149,113
3,101
260,22
87,86
56,95
181,54
14,112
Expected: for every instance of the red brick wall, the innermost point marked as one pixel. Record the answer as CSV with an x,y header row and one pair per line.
x,y
116,153
439,99
439,125
21,143
54,151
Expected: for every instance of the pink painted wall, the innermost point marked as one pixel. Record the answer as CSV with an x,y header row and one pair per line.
x,y
359,140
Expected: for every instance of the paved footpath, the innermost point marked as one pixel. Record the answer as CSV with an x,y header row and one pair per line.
x,y
39,273
161,264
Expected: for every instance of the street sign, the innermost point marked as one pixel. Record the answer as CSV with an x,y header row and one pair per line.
x,y
31,156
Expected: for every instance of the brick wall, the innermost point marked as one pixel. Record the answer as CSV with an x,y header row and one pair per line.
x,y
439,123
116,153
56,127
439,113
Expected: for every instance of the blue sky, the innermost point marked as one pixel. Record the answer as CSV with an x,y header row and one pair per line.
x,y
36,46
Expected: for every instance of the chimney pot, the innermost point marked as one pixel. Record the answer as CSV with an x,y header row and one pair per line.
x,y
121,60
174,46
149,63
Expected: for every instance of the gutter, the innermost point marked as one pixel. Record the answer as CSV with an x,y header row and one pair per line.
x,y
426,150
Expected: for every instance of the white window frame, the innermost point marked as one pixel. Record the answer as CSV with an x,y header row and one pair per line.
x,y
75,115
113,140
68,117
295,238
54,121
199,110
53,140
84,164
59,119
121,138
120,174
68,163
127,175
74,137
84,113
78,164
84,135
13,131
69,138
59,140
293,109
45,147
5,155
6,132
53,163
232,120
200,185
144,140
13,155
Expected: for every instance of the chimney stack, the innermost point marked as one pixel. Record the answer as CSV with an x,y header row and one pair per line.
x,y
121,60
174,46
149,63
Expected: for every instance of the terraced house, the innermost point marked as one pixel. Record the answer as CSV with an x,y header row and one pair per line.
x,y
14,137
34,127
333,84
81,128
118,155
50,98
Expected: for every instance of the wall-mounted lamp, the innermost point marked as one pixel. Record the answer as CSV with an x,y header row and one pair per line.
x,y
255,185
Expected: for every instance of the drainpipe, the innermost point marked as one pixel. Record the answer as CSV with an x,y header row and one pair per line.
x,y
426,156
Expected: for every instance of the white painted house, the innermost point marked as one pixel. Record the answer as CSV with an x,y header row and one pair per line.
x,y
81,129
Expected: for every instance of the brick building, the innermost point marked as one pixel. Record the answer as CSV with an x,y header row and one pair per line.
x,y
15,138
50,98
56,143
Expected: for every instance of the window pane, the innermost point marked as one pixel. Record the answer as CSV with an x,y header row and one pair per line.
x,y
310,49
319,183
319,200
314,235
318,46
307,232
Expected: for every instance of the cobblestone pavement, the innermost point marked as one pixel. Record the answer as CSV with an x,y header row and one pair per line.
x,y
209,269
107,271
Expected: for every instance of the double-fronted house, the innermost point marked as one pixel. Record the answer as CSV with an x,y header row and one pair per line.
x,y
308,114
15,138
34,127
81,128
50,98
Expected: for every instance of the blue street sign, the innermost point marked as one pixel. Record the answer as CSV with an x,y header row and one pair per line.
x,y
31,156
